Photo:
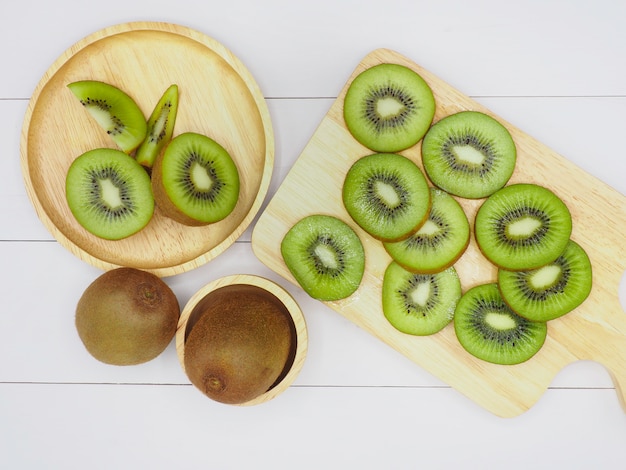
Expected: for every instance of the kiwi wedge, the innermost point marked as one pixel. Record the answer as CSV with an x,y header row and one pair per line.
x,y
522,226
127,316
551,291
388,107
114,110
439,242
195,180
469,154
387,195
160,127
325,256
109,193
419,304
488,329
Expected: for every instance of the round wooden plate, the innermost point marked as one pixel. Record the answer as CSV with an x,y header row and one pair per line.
x,y
218,97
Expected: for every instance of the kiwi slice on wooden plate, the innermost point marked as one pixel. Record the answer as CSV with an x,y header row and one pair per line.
x,y
419,304
551,291
109,193
522,226
325,256
195,180
388,107
488,329
114,110
439,242
387,195
469,154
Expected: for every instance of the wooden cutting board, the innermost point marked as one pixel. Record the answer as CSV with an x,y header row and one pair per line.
x,y
595,331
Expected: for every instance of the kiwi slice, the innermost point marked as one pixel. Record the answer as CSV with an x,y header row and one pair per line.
x,y
387,195
160,127
488,329
469,154
388,107
109,193
551,291
325,256
114,110
522,226
195,181
439,242
419,304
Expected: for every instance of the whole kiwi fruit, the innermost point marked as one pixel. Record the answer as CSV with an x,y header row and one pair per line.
x,y
127,316
240,341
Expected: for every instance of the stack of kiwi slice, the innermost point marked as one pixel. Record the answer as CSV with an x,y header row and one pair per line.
x,y
524,229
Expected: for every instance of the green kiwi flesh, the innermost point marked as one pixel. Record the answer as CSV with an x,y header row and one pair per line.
x,y
109,193
325,256
419,304
127,316
551,291
160,127
439,242
387,195
114,111
522,226
469,154
388,108
195,180
488,329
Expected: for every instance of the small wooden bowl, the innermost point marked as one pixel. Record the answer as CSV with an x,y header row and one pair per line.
x,y
301,337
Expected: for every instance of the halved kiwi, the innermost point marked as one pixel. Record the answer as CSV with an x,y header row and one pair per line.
x,y
195,181
109,193
387,195
551,291
325,256
488,329
522,226
419,304
388,107
439,242
114,110
469,154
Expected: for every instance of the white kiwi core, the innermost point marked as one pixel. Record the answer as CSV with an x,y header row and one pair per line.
x,y
110,193
523,227
545,277
429,228
388,107
200,177
388,194
421,293
468,154
500,321
327,256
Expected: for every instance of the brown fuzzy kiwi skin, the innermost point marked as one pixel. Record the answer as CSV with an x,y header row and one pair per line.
x,y
239,342
127,316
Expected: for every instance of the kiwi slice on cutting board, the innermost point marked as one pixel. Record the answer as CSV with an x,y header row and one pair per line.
x,y
419,304
325,256
195,180
439,242
469,154
551,291
388,107
522,226
488,329
109,193
387,195
114,110
160,127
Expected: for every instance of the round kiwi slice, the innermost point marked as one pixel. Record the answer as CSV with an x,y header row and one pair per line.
x,y
488,329
388,107
419,304
109,193
522,226
439,242
551,291
469,154
325,256
195,181
387,195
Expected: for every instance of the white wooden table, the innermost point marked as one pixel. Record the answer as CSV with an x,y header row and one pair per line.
x,y
556,70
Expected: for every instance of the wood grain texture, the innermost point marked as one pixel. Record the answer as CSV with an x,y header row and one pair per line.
x,y
218,98
595,331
